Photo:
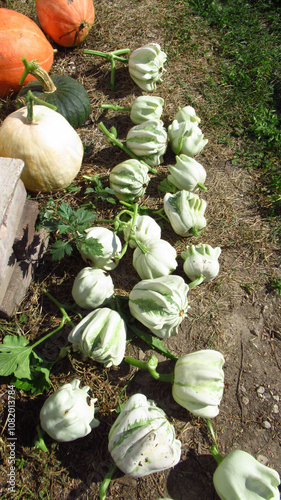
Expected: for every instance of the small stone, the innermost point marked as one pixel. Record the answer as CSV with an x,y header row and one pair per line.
x,y
275,409
262,459
266,424
245,400
276,397
260,390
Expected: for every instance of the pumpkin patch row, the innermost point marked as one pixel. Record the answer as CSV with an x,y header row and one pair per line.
x,y
42,132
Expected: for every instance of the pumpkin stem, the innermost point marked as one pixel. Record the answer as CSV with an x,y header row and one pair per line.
x,y
30,100
133,222
106,481
194,231
33,68
115,107
197,281
111,57
113,140
201,186
150,365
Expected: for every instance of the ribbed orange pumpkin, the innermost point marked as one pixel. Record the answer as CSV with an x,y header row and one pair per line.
x,y
67,22
20,36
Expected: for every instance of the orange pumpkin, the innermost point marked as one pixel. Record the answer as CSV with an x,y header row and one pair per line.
x,y
20,36
67,22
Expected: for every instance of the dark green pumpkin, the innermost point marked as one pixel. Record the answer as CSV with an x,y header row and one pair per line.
x,y
67,94
70,98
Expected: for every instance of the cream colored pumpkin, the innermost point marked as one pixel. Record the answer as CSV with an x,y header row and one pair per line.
x,y
51,149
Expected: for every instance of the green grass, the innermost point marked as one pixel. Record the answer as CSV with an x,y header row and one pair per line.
x,y
244,91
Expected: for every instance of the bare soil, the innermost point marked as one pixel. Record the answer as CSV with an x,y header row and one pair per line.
x,y
236,314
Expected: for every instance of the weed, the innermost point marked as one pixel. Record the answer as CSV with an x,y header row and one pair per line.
x,y
69,225
275,284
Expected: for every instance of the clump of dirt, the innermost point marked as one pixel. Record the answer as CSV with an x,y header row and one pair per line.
x,y
236,313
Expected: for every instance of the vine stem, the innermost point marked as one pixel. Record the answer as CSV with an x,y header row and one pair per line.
x,y
106,481
216,455
214,448
132,236
115,107
65,318
111,137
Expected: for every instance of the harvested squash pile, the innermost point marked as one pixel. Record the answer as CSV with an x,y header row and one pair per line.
x,y
133,256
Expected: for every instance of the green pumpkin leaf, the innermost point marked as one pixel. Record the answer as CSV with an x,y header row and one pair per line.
x,y
15,357
91,246
40,376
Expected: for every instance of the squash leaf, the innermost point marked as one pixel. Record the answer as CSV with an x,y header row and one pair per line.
x,y
40,376
15,356
91,246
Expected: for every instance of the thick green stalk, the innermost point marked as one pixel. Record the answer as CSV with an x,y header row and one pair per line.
x,y
30,100
178,150
161,213
201,186
194,231
197,282
111,57
133,221
111,137
150,365
115,107
33,68
142,247
218,458
39,440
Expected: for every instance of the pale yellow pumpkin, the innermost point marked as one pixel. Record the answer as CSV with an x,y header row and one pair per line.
x,y
51,149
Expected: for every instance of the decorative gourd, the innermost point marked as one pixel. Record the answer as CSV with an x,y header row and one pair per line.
x,y
240,475
92,288
129,179
67,22
51,149
101,335
160,304
148,141
145,228
68,414
142,441
20,36
199,382
111,248
67,94
154,258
